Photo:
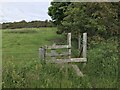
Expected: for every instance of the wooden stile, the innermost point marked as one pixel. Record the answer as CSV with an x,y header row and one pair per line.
x,y
53,54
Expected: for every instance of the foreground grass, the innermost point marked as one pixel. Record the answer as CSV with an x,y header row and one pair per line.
x,y
22,67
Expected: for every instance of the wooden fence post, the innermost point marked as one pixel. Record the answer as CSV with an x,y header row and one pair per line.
x,y
79,41
84,45
69,44
42,52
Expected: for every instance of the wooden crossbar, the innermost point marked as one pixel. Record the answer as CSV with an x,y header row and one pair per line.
x,y
58,47
57,54
71,60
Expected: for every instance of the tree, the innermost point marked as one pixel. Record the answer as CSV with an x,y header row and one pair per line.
x,y
94,18
56,11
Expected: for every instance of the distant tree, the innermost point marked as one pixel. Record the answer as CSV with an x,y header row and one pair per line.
x,y
24,24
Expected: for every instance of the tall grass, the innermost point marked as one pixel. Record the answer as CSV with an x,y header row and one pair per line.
x,y
22,67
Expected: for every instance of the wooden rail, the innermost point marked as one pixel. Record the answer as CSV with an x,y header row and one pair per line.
x,y
58,54
59,47
71,60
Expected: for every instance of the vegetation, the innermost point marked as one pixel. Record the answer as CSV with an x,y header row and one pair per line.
x,y
22,67
97,19
24,24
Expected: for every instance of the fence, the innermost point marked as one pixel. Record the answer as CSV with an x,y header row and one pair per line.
x,y
43,51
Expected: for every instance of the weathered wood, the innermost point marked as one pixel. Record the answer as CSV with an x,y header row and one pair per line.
x,y
58,47
79,41
80,52
42,53
84,45
53,52
58,54
69,43
69,53
68,60
69,39
76,68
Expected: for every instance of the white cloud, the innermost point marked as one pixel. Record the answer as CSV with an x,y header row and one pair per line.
x,y
24,11
26,0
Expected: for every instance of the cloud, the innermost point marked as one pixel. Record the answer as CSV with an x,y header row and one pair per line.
x,y
26,0
24,11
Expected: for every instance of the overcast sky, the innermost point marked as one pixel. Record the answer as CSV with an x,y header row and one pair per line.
x,y
29,10
17,11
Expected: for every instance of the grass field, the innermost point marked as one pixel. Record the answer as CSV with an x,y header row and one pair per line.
x,y
22,67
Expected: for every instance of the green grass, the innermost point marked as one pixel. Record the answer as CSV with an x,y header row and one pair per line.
x,y
22,67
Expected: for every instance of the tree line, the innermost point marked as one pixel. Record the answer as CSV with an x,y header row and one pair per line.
x,y
96,18
24,24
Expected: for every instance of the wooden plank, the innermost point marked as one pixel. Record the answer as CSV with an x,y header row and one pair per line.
x,y
58,47
53,53
84,45
68,60
66,53
76,68
58,54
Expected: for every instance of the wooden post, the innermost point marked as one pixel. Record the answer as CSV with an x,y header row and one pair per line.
x,y
69,43
79,41
84,45
42,52
76,68
53,52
